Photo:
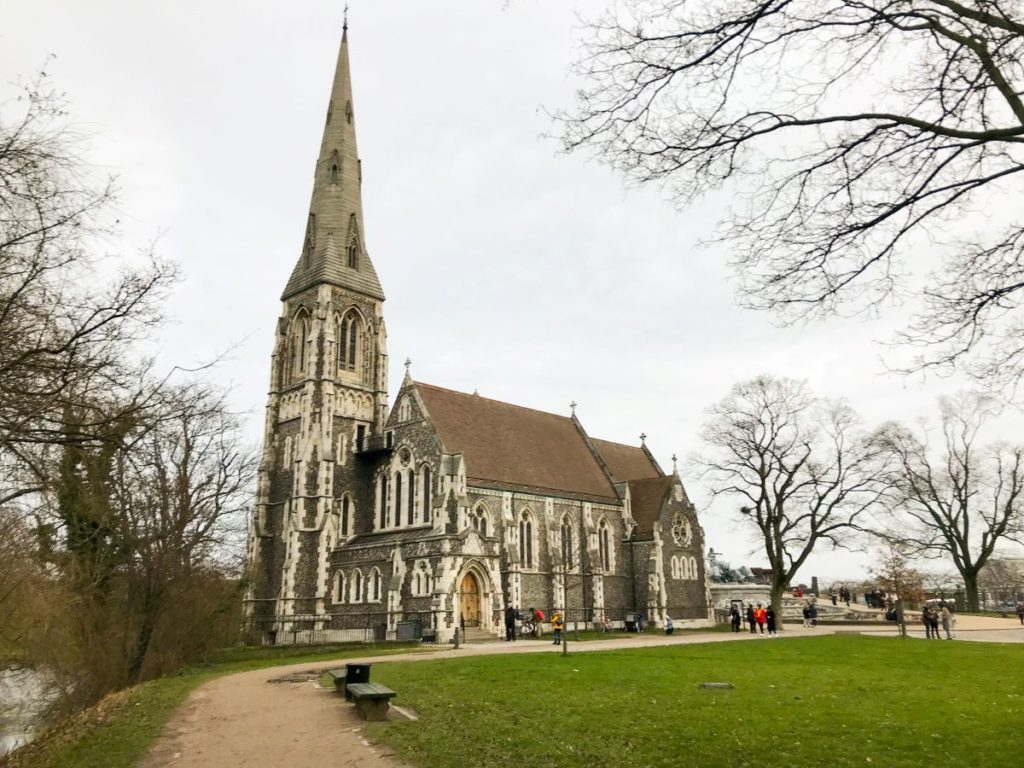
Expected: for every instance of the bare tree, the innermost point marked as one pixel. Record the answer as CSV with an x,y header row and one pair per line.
x,y
1003,578
956,500
145,523
797,465
853,132
69,319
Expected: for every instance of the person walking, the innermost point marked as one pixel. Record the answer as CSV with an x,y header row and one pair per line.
x,y
760,617
947,621
1020,611
814,615
556,627
735,618
926,619
669,626
750,619
538,622
510,623
807,615
769,617
933,619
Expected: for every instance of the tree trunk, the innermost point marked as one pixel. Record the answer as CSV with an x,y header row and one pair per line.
x,y
778,589
971,591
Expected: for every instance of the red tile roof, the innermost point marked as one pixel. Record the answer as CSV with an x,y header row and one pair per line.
x,y
514,446
625,462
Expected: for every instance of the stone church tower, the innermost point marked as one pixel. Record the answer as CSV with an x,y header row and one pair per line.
x,y
328,382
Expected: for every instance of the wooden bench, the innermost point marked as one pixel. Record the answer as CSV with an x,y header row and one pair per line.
x,y
338,676
372,700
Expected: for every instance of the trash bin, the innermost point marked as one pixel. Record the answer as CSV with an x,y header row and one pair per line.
x,y
356,673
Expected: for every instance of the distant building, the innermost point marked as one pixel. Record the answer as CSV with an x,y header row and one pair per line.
x,y
449,506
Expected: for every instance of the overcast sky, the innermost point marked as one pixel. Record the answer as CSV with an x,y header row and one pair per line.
x,y
530,276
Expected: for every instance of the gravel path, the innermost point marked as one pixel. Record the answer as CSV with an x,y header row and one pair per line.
x,y
245,720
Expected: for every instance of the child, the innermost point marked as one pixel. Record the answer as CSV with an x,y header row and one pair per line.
x,y
556,625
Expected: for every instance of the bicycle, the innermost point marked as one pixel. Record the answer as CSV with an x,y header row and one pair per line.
x,y
527,628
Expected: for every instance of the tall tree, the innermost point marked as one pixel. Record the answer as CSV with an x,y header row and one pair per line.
x,y
957,499
69,317
852,132
797,466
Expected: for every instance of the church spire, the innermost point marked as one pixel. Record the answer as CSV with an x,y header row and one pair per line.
x,y
334,246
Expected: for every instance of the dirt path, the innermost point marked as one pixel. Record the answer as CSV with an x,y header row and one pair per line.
x,y
245,721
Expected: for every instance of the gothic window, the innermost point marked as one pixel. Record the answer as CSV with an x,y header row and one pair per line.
x,y
335,162
526,540
684,568
681,531
349,335
480,518
310,245
567,553
357,587
374,587
296,356
353,242
410,516
604,545
353,255
693,567
405,410
382,501
398,498
339,587
425,475
346,515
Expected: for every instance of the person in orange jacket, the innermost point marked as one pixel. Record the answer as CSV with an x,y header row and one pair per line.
x,y
760,616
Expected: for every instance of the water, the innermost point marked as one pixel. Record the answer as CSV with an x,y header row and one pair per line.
x,y
23,702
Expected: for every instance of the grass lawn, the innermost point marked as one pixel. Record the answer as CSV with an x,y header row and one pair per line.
x,y
835,701
118,731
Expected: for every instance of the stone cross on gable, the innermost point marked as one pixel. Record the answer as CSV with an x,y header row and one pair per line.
x,y
573,406
675,465
408,362
643,438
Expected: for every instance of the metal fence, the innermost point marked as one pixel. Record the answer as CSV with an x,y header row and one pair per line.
x,y
320,629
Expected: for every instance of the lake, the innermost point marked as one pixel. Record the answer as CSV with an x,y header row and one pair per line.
x,y
23,702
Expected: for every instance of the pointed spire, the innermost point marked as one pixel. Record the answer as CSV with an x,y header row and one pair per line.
x,y
334,244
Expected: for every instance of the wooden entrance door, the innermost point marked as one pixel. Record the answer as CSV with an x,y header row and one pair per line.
x,y
469,601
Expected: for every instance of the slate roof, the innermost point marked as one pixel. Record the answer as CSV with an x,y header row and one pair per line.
x,y
648,496
509,446
625,462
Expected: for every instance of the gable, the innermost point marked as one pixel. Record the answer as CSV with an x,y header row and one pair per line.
x,y
648,496
625,462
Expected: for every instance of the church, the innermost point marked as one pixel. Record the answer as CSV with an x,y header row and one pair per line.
x,y
378,522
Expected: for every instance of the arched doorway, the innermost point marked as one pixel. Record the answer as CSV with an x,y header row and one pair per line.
x,y
469,600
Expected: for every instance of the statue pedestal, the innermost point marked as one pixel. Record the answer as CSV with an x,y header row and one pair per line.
x,y
722,595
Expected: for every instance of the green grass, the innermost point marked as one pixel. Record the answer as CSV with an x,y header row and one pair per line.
x,y
836,701
119,730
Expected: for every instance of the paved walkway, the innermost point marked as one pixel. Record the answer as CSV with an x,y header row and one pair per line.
x,y
242,720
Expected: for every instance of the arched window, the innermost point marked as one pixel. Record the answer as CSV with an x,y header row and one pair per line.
x,y
297,348
398,498
404,410
357,587
526,540
693,567
339,587
353,254
310,245
346,516
410,514
480,518
382,500
604,545
349,337
425,475
374,596
567,553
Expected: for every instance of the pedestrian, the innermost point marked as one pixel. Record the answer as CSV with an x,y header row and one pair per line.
x,y
927,621
639,622
556,627
807,615
1020,611
947,621
669,626
750,619
735,618
770,621
760,617
933,619
510,623
814,615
